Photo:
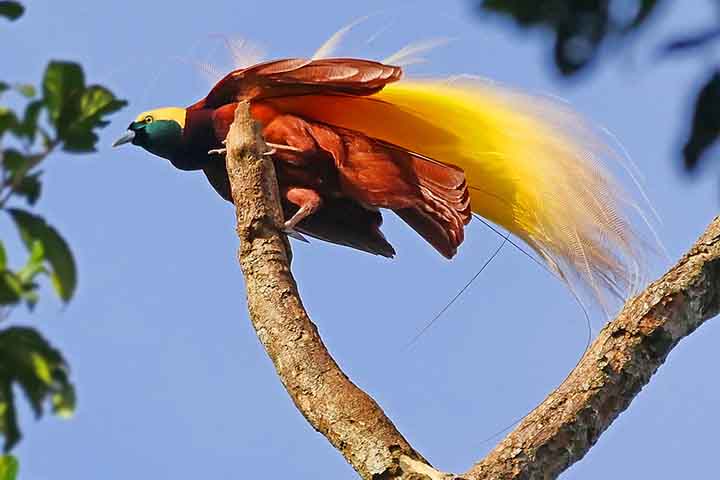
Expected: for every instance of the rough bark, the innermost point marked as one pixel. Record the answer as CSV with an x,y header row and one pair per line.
x,y
621,360
333,405
555,435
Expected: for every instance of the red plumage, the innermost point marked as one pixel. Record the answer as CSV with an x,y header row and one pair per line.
x,y
333,180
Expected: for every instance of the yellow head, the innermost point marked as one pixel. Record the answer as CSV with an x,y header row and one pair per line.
x,y
158,131
175,114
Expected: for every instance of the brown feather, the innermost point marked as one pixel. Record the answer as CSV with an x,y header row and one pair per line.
x,y
299,76
343,222
433,198
338,163
340,221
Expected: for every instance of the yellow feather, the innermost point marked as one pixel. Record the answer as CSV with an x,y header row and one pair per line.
x,y
532,166
166,113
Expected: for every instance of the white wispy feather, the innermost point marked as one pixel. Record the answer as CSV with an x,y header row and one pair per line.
x,y
408,54
243,52
331,45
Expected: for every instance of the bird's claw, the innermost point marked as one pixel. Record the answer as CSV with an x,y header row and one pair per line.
x,y
274,147
292,233
278,146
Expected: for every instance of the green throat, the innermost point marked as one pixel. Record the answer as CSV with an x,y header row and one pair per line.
x,y
160,137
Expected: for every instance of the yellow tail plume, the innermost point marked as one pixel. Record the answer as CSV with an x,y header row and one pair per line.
x,y
532,165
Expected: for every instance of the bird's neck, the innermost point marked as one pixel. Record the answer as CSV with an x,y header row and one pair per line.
x,y
197,139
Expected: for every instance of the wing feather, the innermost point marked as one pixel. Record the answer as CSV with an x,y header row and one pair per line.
x,y
531,164
300,76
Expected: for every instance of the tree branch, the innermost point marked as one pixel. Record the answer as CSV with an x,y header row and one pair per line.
x,y
333,405
555,435
626,353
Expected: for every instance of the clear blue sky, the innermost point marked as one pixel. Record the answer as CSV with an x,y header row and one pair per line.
x,y
172,381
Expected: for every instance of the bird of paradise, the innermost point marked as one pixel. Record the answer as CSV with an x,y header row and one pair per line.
x,y
352,136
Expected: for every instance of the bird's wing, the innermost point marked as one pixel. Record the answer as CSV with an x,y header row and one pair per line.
x,y
216,174
340,221
343,222
300,76
431,197
532,166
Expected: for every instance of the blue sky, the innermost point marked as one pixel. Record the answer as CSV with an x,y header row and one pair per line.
x,y
172,381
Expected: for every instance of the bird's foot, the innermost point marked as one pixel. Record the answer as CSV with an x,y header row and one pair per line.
x,y
279,146
295,234
274,147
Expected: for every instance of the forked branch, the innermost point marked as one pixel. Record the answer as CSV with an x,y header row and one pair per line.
x,y
555,435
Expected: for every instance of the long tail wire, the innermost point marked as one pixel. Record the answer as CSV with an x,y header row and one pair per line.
x,y
506,239
459,293
575,297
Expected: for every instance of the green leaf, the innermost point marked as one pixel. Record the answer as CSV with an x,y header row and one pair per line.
x,y
4,87
8,467
705,124
94,103
8,120
64,401
17,165
63,83
10,288
28,360
97,101
26,90
26,276
28,127
21,285
8,416
75,110
11,10
79,140
30,188
57,253
13,161
34,263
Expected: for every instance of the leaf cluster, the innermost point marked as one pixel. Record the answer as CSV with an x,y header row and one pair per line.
x,y
63,113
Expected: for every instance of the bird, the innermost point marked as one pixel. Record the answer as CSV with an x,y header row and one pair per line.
x,y
352,138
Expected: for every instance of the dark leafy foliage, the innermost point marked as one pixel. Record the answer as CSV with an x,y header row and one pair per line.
x,y
8,467
30,362
67,115
38,235
705,126
582,27
76,110
12,11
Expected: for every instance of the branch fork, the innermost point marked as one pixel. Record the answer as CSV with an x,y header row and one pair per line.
x,y
558,433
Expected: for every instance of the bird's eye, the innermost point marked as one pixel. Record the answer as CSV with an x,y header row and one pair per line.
x,y
148,119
